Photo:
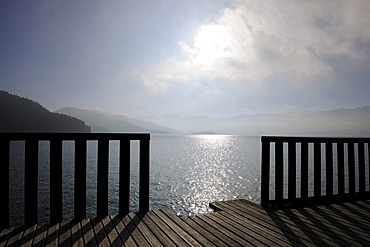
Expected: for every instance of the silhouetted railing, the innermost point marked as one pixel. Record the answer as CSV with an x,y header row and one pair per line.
x,y
301,170
80,139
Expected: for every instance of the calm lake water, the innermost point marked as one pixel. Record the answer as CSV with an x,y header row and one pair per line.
x,y
187,173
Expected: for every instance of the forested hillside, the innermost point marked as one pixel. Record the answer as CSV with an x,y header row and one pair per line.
x,y
19,114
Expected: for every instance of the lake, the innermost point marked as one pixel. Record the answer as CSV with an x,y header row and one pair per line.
x,y
187,173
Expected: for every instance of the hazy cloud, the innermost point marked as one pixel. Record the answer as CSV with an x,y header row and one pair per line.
x,y
254,40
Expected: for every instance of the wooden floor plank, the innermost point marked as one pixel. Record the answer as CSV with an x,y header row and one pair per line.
x,y
122,231
204,232
100,235
328,231
235,223
263,226
313,231
27,237
111,232
4,235
76,234
40,235
267,229
166,229
52,236
225,236
261,223
65,233
322,228
317,218
188,229
160,235
266,226
249,234
236,229
134,231
344,216
284,227
355,207
145,231
5,232
331,228
88,233
15,236
171,224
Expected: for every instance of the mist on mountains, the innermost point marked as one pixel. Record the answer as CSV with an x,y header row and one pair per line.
x,y
20,114
338,122
106,122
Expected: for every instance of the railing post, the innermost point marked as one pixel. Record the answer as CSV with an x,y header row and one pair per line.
x,y
351,168
329,168
144,175
368,160
102,181
124,177
80,179
292,170
304,169
361,167
4,184
340,158
317,169
56,196
265,172
279,171
31,182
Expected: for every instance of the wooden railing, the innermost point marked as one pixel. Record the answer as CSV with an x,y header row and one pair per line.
x,y
80,139
340,170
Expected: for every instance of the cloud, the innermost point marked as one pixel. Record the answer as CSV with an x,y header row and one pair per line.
x,y
252,41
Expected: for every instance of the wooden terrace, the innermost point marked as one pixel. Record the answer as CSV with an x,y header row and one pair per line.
x,y
315,215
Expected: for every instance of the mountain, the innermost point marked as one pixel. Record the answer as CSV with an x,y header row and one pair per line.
x,y
19,114
105,122
337,122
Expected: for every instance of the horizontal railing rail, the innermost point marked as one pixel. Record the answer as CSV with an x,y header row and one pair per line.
x,y
80,140
301,170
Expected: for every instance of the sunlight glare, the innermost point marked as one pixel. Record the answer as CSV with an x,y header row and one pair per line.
x,y
211,43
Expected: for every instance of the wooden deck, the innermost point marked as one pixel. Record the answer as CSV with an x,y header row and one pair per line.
x,y
234,223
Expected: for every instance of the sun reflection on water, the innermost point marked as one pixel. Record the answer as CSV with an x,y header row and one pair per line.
x,y
210,174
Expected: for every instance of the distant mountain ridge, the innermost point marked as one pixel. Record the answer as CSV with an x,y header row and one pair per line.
x,y
106,122
337,122
19,114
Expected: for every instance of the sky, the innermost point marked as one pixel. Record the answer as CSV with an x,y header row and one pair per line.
x,y
212,57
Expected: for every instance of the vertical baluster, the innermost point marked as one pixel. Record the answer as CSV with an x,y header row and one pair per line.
x,y
292,170
124,177
329,168
80,179
361,167
31,182
4,183
265,173
56,196
368,162
317,169
144,175
102,181
279,171
304,169
340,154
351,168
